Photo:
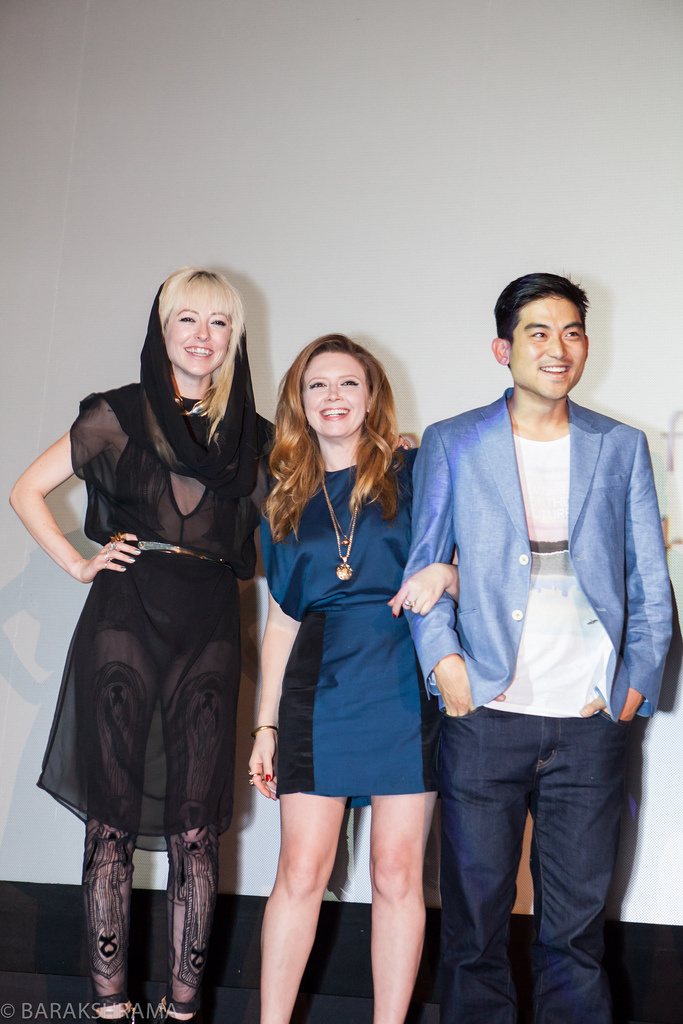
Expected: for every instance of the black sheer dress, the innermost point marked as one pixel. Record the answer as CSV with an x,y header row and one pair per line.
x,y
144,732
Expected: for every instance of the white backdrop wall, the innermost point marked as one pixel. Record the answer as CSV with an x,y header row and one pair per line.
x,y
377,167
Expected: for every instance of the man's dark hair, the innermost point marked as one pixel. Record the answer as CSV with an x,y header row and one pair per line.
x,y
528,289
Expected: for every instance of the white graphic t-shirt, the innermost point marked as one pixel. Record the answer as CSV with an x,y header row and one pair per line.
x,y
564,649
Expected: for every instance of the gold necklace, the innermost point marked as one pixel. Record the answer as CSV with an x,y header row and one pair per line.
x,y
343,570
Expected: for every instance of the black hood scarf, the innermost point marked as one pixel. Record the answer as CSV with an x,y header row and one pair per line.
x,y
228,464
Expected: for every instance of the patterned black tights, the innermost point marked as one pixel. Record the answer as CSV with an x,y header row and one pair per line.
x,y
191,896
107,884
191,899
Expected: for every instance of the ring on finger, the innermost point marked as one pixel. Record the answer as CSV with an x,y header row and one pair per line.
x,y
408,604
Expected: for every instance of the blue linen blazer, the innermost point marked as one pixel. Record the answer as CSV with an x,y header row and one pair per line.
x,y
467,493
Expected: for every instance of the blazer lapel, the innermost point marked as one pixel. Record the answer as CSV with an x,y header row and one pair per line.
x,y
584,449
495,435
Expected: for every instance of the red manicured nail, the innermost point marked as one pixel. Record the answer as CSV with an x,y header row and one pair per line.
x,y
268,778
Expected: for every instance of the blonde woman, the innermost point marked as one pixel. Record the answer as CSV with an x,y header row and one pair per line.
x,y
339,675
142,745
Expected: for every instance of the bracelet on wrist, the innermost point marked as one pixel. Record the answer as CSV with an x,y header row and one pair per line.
x,y
260,727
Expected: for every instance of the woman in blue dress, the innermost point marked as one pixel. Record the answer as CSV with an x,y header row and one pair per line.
x,y
342,696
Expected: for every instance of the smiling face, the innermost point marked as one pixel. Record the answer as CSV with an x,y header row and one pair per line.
x,y
197,339
336,400
547,353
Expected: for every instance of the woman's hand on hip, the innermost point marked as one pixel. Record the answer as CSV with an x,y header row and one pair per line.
x,y
111,556
51,469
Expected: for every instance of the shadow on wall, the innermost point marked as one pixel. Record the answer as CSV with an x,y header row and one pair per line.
x,y
401,378
600,329
628,845
39,609
257,318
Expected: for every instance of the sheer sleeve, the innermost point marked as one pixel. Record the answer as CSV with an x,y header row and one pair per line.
x,y
97,441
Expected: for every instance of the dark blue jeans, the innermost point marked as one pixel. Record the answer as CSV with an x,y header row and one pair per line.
x,y
569,772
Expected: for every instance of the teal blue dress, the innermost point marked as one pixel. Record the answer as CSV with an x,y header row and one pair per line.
x,y
355,719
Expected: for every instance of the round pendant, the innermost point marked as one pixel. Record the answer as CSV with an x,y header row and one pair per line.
x,y
344,571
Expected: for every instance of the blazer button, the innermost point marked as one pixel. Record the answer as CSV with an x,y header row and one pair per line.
x,y
523,559
517,615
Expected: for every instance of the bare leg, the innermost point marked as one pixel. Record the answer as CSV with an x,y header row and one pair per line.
x,y
310,831
400,826
107,885
191,899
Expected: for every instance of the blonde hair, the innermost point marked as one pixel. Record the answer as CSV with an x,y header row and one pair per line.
x,y
296,462
187,287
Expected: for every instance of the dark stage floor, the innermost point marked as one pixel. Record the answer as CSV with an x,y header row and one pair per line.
x,y
43,968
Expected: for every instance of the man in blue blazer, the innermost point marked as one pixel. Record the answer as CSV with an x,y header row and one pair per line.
x,y
557,641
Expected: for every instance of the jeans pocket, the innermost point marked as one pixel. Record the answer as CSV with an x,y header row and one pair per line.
x,y
619,724
458,718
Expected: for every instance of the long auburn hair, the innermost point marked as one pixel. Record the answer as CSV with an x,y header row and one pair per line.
x,y
296,463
